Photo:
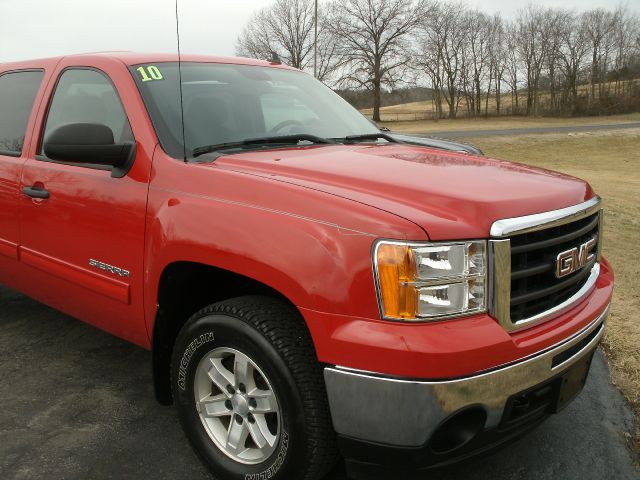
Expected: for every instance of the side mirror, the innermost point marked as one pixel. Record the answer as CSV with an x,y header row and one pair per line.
x,y
87,143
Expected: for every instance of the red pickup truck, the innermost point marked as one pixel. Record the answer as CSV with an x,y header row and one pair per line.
x,y
310,287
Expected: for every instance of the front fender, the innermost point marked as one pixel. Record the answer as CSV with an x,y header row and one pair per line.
x,y
312,247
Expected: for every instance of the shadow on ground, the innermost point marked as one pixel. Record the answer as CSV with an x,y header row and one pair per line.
x,y
78,404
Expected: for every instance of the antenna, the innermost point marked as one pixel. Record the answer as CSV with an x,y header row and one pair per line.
x,y
184,141
315,41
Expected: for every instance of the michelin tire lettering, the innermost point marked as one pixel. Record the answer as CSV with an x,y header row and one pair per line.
x,y
188,353
277,464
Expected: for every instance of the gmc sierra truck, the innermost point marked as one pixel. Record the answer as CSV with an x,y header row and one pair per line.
x,y
311,288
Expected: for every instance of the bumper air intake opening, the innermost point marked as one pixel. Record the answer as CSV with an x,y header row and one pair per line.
x,y
458,430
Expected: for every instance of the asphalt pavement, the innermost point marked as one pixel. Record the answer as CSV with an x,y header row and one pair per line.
x,y
77,404
529,131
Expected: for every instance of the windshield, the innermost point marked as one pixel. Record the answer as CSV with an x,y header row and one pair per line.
x,y
225,103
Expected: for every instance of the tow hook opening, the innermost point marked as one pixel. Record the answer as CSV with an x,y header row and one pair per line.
x,y
458,430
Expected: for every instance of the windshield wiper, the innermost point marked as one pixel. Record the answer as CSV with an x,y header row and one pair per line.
x,y
368,136
276,140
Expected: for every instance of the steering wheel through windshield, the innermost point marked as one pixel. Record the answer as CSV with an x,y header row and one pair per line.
x,y
284,124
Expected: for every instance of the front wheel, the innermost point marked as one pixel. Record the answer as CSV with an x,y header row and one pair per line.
x,y
250,393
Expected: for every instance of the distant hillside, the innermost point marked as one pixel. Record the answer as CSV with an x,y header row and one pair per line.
x,y
424,109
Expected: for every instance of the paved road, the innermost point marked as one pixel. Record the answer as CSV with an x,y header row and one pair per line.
x,y
77,404
524,131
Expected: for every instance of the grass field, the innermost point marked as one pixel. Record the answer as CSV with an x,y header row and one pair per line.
x,y
610,161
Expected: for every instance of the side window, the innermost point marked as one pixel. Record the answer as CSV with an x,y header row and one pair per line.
x,y
87,96
18,91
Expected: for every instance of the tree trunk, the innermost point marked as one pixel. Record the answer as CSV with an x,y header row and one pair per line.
x,y
552,87
478,98
498,93
452,102
594,70
486,101
376,100
376,103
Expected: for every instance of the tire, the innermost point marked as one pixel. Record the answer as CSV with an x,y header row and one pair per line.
x,y
262,410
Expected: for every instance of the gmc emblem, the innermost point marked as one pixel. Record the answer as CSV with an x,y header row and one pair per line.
x,y
573,260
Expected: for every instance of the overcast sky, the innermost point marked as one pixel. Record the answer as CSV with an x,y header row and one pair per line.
x,y
43,28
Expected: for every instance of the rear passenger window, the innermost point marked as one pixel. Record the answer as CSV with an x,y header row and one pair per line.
x,y
88,96
17,93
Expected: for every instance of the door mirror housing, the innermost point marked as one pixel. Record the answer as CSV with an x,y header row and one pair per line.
x,y
89,144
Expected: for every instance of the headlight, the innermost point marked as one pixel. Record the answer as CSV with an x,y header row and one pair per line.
x,y
430,281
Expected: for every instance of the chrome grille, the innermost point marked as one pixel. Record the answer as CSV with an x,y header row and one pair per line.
x,y
534,285
525,289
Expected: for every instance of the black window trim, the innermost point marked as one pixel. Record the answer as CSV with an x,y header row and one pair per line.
x,y
117,172
9,153
132,69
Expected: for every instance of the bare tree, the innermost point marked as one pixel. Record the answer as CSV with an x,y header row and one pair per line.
x,y
626,31
328,51
286,28
555,27
256,40
427,57
373,38
442,36
498,61
599,25
479,40
512,66
463,54
573,51
532,43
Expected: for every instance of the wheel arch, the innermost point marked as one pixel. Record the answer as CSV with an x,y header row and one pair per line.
x,y
184,288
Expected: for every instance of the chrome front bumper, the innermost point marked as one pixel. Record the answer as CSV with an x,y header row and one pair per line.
x,y
406,413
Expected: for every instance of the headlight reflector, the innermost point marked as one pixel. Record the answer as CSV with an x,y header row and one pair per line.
x,y
433,281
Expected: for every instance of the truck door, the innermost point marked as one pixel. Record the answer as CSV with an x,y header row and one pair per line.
x,y
18,90
82,229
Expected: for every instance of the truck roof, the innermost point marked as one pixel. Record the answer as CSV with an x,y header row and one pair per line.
x,y
134,58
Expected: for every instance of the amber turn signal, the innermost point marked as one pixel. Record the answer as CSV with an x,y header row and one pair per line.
x,y
396,273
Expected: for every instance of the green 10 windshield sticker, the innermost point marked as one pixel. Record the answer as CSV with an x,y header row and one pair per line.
x,y
149,73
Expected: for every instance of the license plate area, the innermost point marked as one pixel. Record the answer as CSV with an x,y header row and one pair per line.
x,y
571,382
549,397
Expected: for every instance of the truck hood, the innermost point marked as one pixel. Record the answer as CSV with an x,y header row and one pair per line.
x,y
450,195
